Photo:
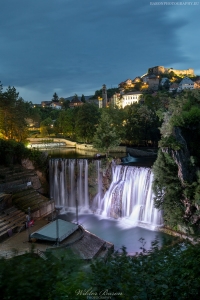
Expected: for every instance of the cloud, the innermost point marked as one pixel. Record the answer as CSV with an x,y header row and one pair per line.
x,y
76,46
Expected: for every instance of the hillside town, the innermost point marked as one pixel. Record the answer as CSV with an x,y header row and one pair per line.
x,y
156,79
82,176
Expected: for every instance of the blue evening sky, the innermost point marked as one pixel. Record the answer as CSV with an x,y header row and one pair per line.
x,y
75,46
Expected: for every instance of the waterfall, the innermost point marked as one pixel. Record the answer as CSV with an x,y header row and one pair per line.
x,y
129,195
68,180
96,203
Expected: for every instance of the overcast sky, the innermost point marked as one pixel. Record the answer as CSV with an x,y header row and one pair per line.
x,y
75,46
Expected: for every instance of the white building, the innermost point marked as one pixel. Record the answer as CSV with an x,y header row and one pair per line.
x,y
55,105
130,98
186,83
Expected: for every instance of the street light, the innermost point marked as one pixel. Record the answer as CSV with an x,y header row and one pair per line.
x,y
57,224
57,227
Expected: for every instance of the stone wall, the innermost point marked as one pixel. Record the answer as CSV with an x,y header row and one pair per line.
x,y
5,201
46,209
56,140
162,70
90,148
39,181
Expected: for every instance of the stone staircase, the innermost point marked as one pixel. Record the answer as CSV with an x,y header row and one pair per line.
x,y
11,220
17,178
28,198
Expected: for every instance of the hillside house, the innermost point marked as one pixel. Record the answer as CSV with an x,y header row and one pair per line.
x,y
185,84
173,87
55,105
75,102
130,98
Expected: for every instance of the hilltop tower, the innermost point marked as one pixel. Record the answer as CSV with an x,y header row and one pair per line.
x,y
104,95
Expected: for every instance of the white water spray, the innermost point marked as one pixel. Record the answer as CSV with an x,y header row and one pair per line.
x,y
128,197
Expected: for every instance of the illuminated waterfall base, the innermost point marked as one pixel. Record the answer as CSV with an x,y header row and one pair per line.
x,y
129,197
69,182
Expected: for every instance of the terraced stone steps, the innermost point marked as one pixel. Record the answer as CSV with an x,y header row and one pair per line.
x,y
8,211
20,194
10,220
13,176
29,198
5,218
16,178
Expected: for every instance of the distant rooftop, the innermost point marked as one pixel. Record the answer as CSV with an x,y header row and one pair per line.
x,y
186,80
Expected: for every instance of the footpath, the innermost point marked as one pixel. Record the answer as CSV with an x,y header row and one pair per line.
x,y
19,242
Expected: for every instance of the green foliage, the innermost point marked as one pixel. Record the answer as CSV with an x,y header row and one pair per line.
x,y
31,277
118,117
197,189
46,127
178,199
141,124
39,159
65,124
83,98
170,142
12,151
106,137
158,102
65,103
171,272
55,97
110,93
188,118
13,112
167,189
86,121
156,274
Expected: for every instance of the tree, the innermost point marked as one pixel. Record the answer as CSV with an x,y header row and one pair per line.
x,y
46,126
156,274
176,176
75,97
83,98
141,124
31,277
13,111
66,104
118,116
86,121
106,136
110,93
55,97
65,124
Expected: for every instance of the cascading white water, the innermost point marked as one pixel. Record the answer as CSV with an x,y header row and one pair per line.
x,y
68,180
130,195
96,203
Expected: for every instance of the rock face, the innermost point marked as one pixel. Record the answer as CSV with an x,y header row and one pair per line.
x,y
116,205
181,158
27,164
39,181
186,175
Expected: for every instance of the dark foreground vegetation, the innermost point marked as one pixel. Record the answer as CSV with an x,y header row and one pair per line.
x,y
12,152
169,273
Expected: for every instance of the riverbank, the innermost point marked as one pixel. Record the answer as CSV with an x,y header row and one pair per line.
x,y
61,142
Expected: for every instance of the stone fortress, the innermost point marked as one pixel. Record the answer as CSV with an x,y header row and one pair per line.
x,y
162,70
